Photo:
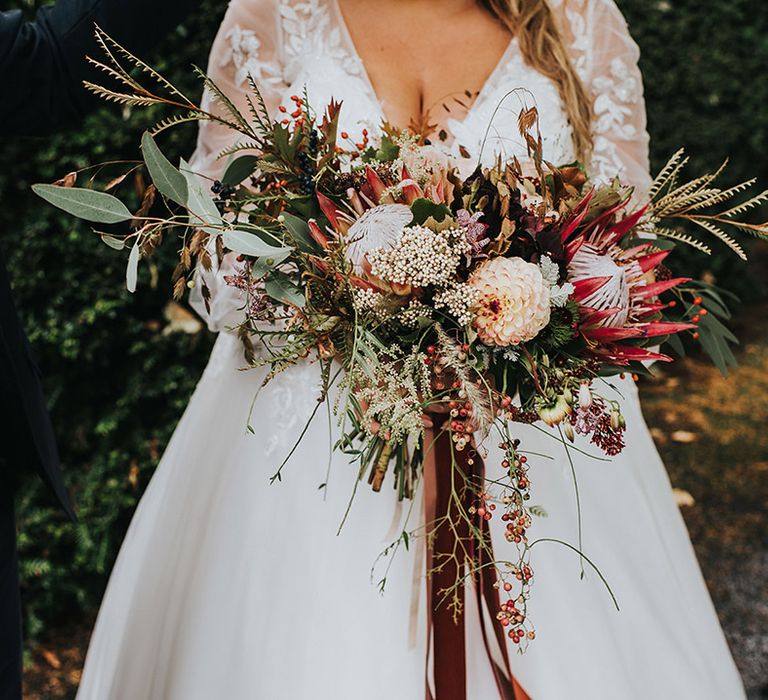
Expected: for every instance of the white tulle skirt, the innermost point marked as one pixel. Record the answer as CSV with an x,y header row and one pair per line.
x,y
229,587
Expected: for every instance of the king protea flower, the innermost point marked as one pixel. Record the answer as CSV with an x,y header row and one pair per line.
x,y
375,213
379,227
618,301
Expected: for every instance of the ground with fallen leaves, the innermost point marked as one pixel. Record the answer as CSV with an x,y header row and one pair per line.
x,y
713,435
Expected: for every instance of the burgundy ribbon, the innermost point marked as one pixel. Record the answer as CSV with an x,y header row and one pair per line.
x,y
445,628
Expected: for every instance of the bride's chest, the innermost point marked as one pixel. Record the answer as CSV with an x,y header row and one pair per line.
x,y
317,55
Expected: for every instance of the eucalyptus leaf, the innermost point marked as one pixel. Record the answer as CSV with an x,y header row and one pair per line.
x,y
169,181
299,230
90,205
239,169
132,271
250,244
203,213
280,288
112,241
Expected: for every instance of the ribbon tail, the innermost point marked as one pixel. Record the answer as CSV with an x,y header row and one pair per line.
x,y
446,631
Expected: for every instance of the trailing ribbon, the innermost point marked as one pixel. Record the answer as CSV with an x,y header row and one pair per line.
x,y
445,626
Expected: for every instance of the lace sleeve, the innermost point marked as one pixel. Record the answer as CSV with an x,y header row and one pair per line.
x,y
247,43
609,66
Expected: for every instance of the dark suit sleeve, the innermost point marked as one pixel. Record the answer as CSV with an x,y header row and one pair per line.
x,y
42,63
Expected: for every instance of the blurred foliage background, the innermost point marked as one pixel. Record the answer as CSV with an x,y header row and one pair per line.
x,y
118,376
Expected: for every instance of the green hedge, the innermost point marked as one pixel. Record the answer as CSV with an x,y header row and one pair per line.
x,y
117,383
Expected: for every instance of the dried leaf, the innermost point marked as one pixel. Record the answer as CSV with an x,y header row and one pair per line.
x,y
178,288
68,180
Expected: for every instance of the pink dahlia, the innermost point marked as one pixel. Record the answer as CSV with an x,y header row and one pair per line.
x,y
514,302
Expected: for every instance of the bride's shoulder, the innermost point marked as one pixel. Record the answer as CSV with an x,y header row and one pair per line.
x,y
589,12
587,24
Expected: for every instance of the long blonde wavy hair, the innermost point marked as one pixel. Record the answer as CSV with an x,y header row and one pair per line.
x,y
543,48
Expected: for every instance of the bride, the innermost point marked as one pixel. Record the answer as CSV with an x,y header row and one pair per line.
x,y
229,587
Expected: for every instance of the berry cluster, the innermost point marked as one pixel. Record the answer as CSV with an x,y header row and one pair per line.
x,y
223,194
512,612
307,166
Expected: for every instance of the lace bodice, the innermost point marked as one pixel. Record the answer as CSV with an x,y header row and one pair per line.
x,y
292,45
287,45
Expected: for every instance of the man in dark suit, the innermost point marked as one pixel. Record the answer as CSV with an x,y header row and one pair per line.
x,y
42,68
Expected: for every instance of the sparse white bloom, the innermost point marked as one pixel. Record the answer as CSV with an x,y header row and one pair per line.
x,y
411,314
371,302
422,162
420,257
458,300
393,394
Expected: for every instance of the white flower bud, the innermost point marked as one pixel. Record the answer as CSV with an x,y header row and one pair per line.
x,y
585,396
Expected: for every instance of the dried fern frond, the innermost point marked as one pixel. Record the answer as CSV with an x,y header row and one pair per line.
x,y
744,207
234,113
135,100
674,234
168,122
670,170
258,108
238,147
118,75
721,235
477,396
106,41
678,201
694,201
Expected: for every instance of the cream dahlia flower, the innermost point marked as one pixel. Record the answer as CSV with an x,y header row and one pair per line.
x,y
514,303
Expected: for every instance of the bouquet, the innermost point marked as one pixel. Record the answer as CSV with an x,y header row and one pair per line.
x,y
442,310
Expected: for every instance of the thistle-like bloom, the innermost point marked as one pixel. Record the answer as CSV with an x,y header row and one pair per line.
x,y
514,304
475,231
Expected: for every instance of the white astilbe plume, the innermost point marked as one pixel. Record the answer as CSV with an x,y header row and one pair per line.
x,y
477,394
392,394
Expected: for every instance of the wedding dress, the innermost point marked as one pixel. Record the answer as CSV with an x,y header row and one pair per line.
x,y
229,587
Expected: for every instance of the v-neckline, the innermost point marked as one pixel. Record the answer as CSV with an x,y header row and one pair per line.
x,y
479,97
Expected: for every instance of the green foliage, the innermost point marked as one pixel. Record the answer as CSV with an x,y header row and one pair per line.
x,y
117,383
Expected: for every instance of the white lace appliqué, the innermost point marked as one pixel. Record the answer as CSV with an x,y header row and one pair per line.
x,y
309,33
244,51
617,94
291,398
